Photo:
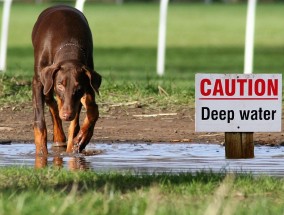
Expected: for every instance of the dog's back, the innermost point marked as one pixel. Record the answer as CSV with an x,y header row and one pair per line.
x,y
57,26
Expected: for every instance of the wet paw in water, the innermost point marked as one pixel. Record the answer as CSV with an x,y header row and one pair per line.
x,y
91,152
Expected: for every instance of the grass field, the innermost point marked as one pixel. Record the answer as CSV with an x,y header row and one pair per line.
x,y
201,38
51,191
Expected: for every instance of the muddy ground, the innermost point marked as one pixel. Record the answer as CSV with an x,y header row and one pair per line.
x,y
125,123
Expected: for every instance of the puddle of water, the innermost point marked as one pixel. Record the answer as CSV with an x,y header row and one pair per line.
x,y
149,158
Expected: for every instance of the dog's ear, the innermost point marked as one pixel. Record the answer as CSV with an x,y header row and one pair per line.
x,y
95,78
47,76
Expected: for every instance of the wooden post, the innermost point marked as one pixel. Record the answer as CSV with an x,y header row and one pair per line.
x,y
239,145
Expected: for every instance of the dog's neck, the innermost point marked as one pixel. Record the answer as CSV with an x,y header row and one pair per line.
x,y
71,51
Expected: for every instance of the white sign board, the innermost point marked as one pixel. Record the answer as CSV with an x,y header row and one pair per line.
x,y
238,102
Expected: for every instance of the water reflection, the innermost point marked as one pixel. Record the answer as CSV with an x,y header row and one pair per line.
x,y
40,161
78,163
148,158
57,162
74,162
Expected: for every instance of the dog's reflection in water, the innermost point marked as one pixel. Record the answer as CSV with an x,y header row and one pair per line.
x,y
75,162
78,163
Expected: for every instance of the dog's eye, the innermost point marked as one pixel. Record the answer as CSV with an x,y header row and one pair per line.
x,y
78,90
60,87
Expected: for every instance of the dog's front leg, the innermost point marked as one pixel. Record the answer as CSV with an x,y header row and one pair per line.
x,y
73,131
40,133
58,133
87,129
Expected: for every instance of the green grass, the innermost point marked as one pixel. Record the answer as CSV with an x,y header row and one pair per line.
x,y
51,191
201,38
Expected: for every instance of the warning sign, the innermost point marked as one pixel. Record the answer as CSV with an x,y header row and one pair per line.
x,y
238,102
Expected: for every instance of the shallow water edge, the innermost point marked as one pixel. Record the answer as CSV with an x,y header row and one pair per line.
x,y
148,158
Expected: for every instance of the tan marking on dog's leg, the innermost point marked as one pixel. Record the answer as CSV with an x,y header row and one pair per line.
x,y
90,105
73,131
58,132
87,129
40,141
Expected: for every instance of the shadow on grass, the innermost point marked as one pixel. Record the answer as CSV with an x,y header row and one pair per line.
x,y
58,179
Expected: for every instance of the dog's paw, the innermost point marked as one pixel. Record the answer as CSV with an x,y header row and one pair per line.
x,y
81,140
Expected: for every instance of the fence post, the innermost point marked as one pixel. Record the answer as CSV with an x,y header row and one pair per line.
x,y
4,34
240,145
80,5
162,37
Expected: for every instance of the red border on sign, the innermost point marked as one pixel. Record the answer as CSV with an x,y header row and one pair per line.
x,y
238,98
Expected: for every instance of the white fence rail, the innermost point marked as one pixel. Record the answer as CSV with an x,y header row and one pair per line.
x,y
249,43
4,34
80,5
161,48
162,37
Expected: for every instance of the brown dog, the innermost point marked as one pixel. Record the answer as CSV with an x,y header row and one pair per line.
x,y
64,68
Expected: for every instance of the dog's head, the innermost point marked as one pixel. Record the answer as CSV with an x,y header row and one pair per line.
x,y
69,80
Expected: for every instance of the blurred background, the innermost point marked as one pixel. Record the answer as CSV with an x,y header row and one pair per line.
x,y
127,1
202,36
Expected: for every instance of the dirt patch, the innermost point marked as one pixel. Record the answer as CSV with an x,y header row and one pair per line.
x,y
124,124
